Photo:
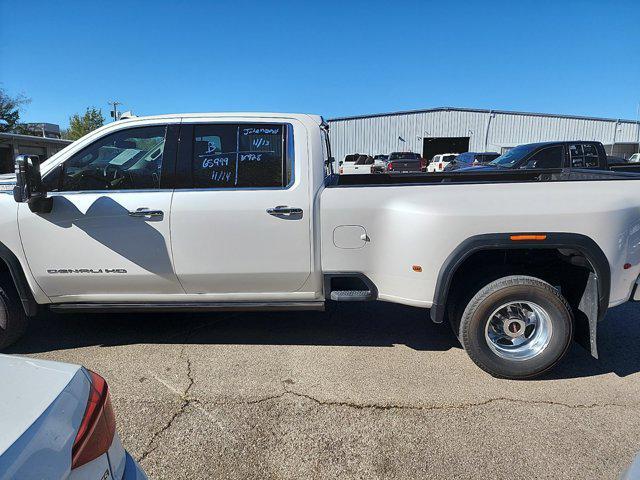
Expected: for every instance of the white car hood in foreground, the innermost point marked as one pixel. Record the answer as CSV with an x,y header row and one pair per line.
x,y
27,388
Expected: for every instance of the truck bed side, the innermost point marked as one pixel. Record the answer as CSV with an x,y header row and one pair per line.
x,y
421,225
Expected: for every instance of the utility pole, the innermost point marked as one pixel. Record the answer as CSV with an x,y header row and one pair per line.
x,y
638,125
114,112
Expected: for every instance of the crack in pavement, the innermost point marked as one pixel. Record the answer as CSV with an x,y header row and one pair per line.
x,y
184,397
187,401
446,406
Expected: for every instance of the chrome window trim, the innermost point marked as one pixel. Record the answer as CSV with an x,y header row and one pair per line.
x,y
106,192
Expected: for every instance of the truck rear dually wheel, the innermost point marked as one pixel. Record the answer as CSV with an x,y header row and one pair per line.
x,y
516,327
13,321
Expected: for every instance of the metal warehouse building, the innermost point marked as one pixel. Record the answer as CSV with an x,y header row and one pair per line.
x,y
456,130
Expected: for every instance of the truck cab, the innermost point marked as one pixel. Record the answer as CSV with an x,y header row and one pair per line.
x,y
194,208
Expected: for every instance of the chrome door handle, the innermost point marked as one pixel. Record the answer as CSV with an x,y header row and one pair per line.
x,y
284,211
145,212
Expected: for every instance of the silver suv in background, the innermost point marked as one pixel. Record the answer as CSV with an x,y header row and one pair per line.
x,y
379,163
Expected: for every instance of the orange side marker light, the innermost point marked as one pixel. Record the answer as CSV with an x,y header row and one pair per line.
x,y
520,238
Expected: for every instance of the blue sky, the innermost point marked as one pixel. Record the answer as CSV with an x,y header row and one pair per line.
x,y
331,58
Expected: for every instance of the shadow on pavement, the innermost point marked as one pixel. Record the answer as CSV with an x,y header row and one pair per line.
x,y
364,324
375,324
618,348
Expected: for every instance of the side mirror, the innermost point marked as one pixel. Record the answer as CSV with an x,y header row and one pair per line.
x,y
29,187
340,163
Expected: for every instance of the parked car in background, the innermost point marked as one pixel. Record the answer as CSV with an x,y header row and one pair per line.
x,y
615,159
351,158
363,164
635,158
57,422
404,162
562,154
379,163
468,159
440,161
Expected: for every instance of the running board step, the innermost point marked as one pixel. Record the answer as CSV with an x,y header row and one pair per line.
x,y
185,307
352,295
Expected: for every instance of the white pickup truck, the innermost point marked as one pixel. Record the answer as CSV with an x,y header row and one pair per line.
x,y
242,211
364,164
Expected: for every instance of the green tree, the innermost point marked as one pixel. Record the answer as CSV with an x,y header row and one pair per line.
x,y
80,125
10,111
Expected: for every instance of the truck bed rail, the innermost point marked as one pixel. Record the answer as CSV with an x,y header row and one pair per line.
x,y
468,177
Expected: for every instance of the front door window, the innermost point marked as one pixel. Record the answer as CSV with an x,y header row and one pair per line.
x,y
125,160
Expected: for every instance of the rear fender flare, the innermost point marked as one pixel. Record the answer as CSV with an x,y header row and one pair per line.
x,y
595,301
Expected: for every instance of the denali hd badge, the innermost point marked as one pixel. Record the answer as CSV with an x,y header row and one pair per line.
x,y
86,270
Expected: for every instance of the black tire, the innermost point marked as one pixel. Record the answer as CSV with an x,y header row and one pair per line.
x,y
516,288
13,321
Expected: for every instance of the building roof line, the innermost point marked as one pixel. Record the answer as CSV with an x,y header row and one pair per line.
x,y
34,138
480,110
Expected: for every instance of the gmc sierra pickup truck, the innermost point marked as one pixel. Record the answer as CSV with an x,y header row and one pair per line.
x,y
243,211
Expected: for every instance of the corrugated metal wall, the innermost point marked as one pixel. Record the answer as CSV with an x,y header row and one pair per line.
x,y
487,131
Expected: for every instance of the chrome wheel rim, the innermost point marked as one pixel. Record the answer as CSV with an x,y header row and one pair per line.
x,y
518,330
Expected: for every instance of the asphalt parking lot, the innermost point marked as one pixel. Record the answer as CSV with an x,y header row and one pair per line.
x,y
366,391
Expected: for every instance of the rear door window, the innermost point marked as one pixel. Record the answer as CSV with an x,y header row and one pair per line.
x,y
228,155
576,154
591,157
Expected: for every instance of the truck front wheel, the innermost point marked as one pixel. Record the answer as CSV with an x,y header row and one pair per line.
x,y
517,327
13,321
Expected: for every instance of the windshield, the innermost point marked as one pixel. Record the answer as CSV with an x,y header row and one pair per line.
x,y
513,156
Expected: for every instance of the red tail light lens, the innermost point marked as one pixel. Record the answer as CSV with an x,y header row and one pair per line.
x,y
341,170
390,166
98,426
440,166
